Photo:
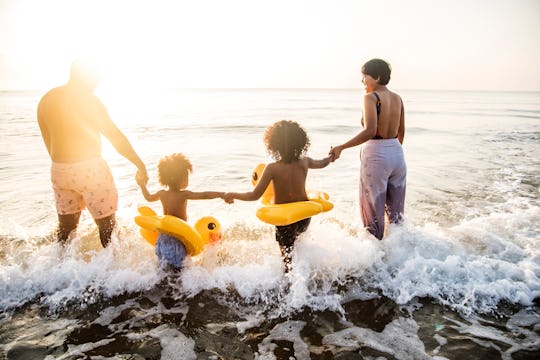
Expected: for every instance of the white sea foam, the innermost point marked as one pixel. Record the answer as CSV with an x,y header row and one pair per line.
x,y
174,344
492,337
470,267
80,350
48,334
82,273
287,331
399,339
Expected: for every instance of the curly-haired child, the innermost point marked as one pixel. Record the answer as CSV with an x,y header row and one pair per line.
x,y
173,172
287,142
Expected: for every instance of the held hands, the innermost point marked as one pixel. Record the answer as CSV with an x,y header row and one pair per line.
x,y
335,152
228,197
141,177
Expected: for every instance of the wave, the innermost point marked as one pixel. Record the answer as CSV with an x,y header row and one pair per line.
x,y
471,267
480,113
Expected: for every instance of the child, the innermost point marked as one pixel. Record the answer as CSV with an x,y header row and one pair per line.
x,y
173,173
287,142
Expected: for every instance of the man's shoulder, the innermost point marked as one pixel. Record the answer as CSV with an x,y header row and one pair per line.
x,y
53,93
45,101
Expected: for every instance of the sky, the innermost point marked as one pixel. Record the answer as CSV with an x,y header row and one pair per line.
x,y
430,44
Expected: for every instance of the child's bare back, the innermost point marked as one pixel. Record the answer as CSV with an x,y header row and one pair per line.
x,y
289,180
174,203
173,173
287,141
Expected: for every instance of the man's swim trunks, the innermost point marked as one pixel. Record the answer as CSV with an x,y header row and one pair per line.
x,y
87,183
170,250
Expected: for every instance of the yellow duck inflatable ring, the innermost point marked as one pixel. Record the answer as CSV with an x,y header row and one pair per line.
x,y
289,213
206,229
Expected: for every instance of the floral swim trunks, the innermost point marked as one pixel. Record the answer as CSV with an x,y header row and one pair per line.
x,y
87,183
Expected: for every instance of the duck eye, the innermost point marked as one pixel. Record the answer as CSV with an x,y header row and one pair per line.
x,y
211,226
254,176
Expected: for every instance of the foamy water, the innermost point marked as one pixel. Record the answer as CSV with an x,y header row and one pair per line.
x,y
469,242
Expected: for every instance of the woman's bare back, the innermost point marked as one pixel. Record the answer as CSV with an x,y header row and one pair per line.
x,y
391,112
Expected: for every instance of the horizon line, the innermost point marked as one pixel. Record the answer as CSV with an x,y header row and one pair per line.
x,y
291,88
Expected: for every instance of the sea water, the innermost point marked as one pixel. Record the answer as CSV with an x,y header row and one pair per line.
x,y
458,279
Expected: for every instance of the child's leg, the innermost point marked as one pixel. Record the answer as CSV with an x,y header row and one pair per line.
x,y
286,236
286,256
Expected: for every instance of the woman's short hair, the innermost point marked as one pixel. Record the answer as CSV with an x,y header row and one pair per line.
x,y
378,69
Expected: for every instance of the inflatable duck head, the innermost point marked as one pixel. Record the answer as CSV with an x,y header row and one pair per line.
x,y
209,229
268,195
206,230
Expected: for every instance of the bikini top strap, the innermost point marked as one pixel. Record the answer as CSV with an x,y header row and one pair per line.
x,y
378,105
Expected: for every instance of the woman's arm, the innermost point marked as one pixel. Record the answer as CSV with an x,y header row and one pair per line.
x,y
369,131
401,130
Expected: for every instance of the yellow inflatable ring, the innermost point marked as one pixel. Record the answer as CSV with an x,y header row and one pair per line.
x,y
206,230
285,214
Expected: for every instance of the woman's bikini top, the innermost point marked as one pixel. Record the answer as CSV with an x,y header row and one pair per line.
x,y
378,106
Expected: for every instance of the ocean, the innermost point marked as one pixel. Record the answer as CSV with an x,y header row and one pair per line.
x,y
460,278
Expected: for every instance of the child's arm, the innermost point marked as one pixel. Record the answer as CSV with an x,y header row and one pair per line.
x,y
319,164
257,192
203,195
145,192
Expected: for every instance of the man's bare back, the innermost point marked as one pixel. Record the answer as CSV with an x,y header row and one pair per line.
x,y
73,120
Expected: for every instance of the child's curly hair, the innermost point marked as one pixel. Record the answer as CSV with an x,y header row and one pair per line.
x,y
286,140
173,171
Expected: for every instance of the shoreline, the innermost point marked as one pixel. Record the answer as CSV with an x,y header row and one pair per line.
x,y
137,323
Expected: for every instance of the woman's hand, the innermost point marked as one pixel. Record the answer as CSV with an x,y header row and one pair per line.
x,y
335,152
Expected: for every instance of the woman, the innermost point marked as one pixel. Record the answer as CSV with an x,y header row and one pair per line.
x,y
382,164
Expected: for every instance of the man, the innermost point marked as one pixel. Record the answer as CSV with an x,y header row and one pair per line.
x,y
72,119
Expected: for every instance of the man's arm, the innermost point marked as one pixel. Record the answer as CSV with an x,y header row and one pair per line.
x,y
119,141
43,127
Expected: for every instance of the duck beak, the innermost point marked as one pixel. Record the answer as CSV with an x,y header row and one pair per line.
x,y
214,237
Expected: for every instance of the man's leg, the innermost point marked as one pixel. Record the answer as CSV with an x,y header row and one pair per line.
x,y
66,224
106,226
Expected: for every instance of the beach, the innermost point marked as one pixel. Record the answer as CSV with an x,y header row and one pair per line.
x,y
458,279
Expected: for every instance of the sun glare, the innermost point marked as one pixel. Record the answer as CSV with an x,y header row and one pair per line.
x,y
158,44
